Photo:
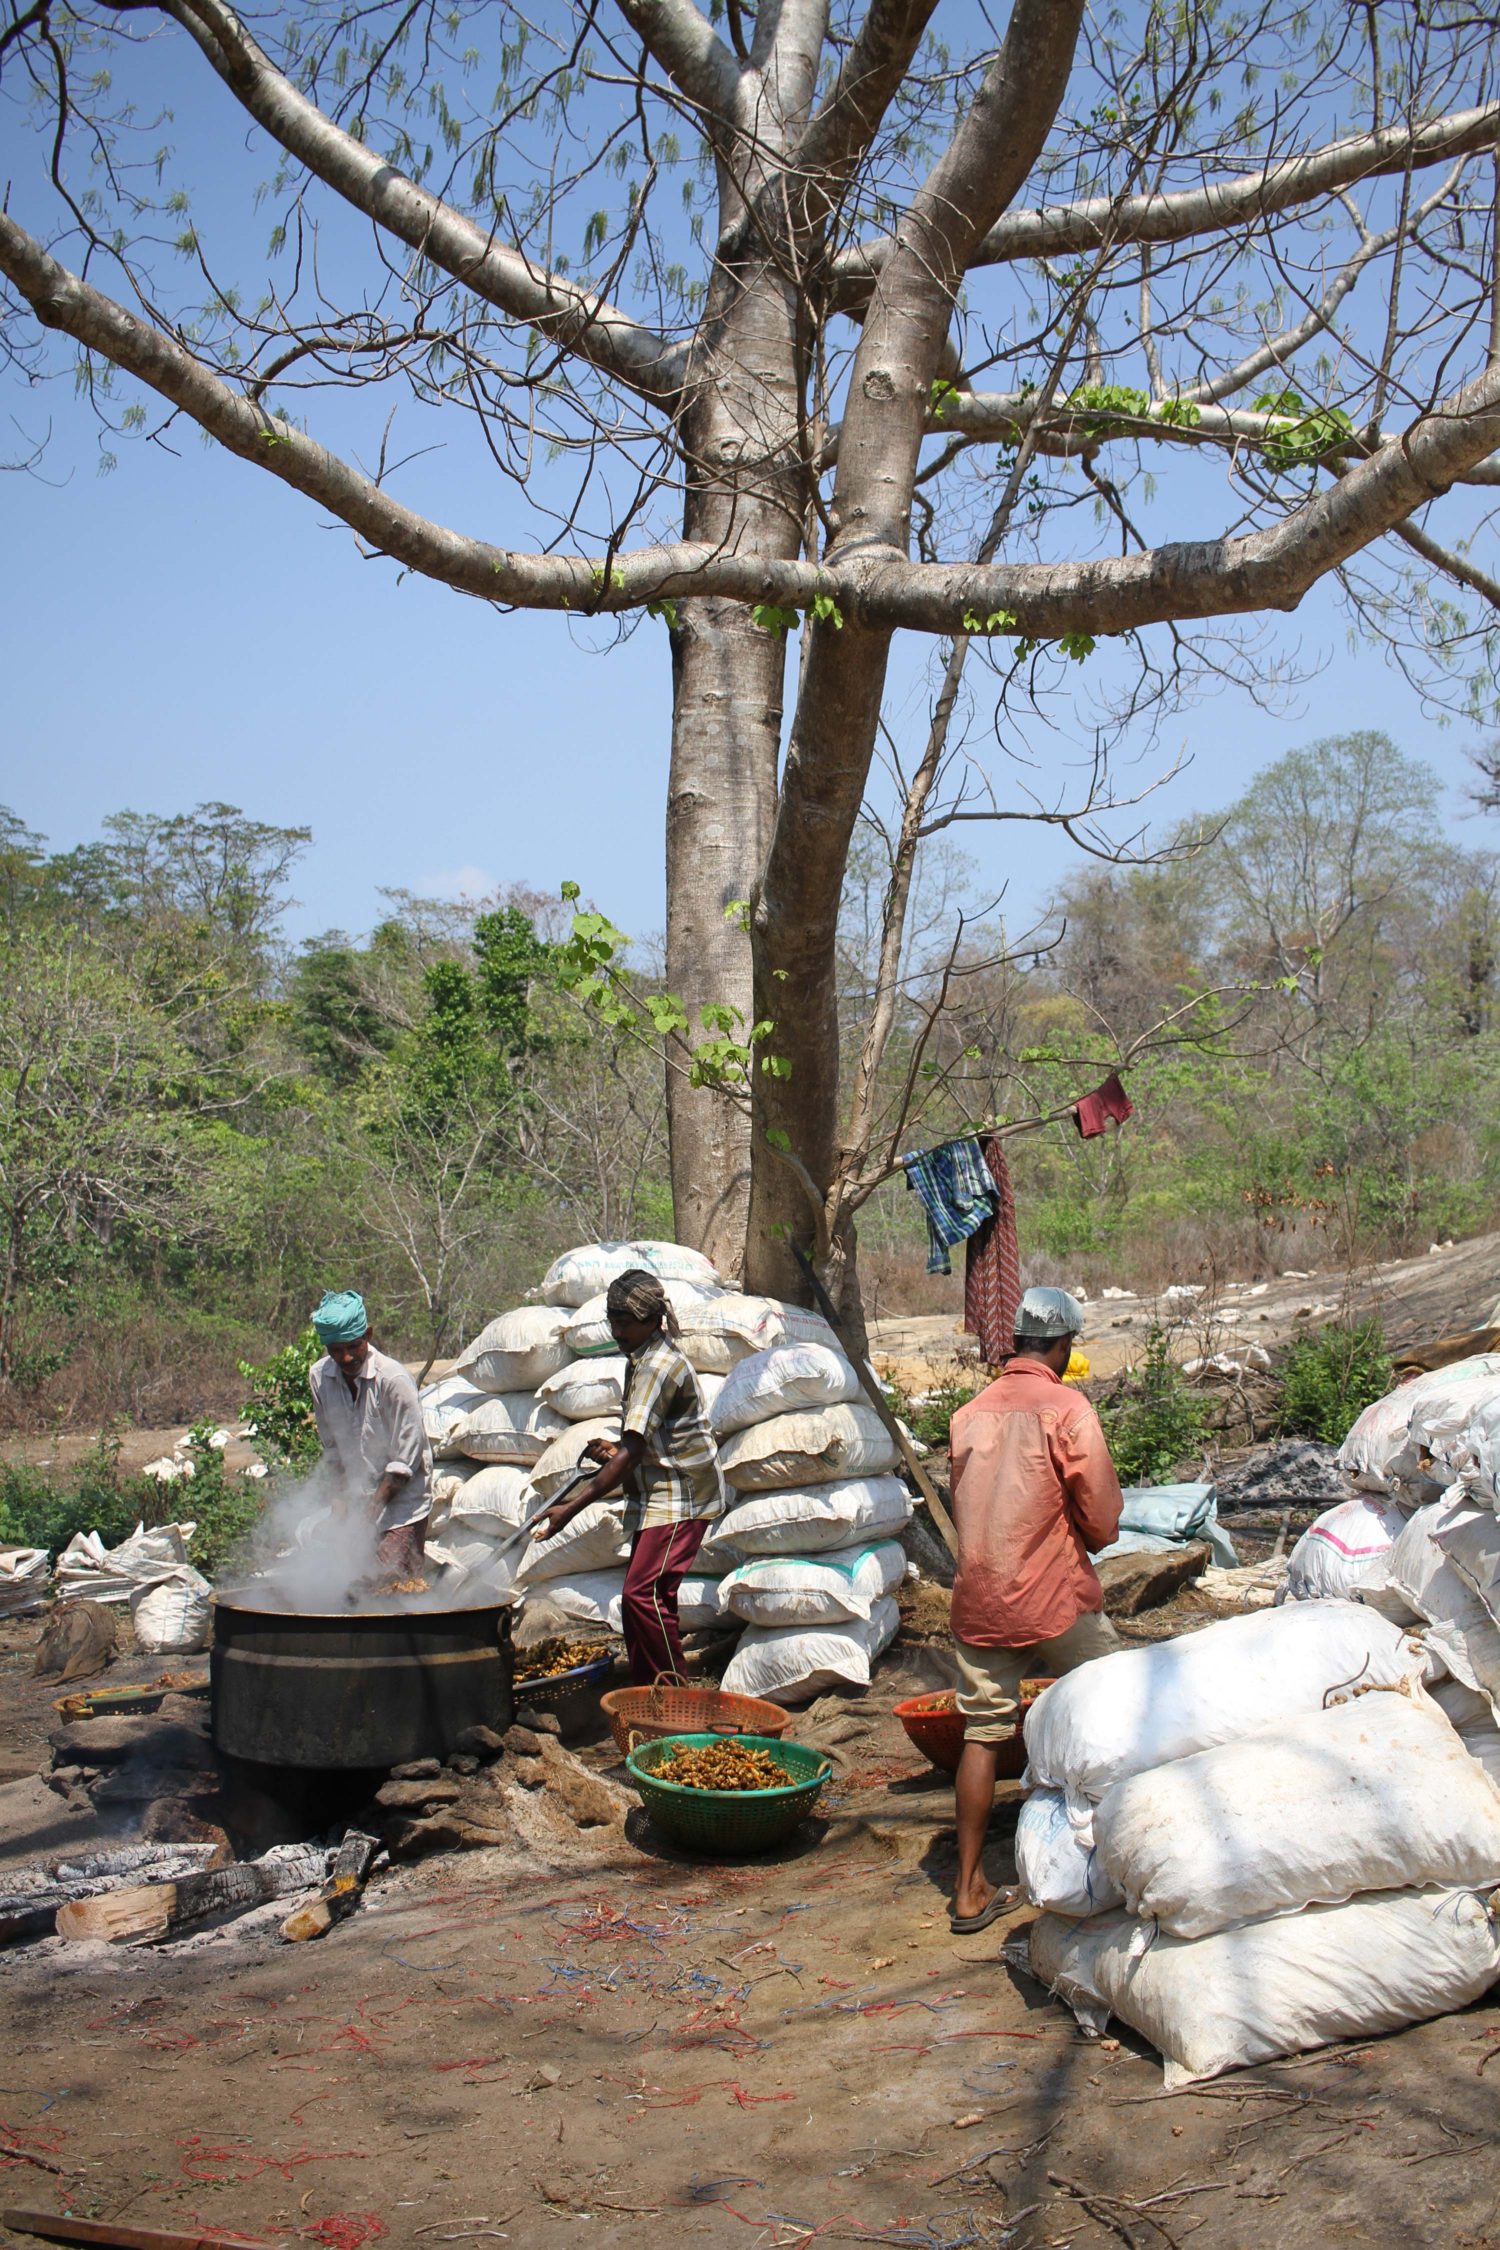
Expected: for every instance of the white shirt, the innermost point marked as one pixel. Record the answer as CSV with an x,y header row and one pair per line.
x,y
376,1432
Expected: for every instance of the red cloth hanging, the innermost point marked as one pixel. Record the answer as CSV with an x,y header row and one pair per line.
x,y
1107,1101
992,1267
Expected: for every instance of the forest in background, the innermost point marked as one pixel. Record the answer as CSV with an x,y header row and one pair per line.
x,y
203,1125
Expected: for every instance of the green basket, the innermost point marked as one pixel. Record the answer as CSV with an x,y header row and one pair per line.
x,y
728,1823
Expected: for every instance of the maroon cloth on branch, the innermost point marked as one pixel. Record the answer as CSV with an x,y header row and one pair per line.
x,y
992,1271
1107,1101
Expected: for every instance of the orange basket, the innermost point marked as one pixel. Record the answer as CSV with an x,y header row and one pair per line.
x,y
936,1726
647,1714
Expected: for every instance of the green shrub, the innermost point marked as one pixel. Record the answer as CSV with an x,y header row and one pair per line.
x,y
1157,1422
42,1510
1328,1379
928,1420
279,1406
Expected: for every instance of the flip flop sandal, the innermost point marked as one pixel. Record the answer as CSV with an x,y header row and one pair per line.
x,y
966,1925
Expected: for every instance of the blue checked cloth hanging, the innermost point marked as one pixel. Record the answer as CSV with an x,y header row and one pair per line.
x,y
957,1194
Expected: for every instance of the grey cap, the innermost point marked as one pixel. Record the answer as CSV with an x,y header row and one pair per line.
x,y
1049,1312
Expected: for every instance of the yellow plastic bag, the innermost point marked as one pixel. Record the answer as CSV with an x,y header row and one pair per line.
x,y
1078,1368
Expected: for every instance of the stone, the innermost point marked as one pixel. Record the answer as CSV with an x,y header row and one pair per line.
x,y
142,1784
1136,1582
540,1722
524,1742
416,1796
141,1739
167,1820
587,1801
448,1831
420,1769
462,1762
483,1742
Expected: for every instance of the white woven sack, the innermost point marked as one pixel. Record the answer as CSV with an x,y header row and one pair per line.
x,y
588,1334
517,1351
811,1448
1438,1434
444,1405
1471,1543
785,1380
588,1271
700,1602
499,1495
591,1540
793,1663
1277,1987
448,1479
1376,1453
814,1589
174,1616
586,1389
1336,1549
483,1567
23,1579
1374,1794
1055,1857
1475,1453
508,1427
721,1331
1419,1579
847,1512
565,1453
1472,1718
98,1573
1142,1707
584,1597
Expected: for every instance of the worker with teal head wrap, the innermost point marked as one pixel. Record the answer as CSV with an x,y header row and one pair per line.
x,y
369,1418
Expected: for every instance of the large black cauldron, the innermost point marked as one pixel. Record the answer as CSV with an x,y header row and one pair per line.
x,y
357,1689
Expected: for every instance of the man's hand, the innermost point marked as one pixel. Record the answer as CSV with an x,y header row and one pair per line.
x,y
552,1519
600,1449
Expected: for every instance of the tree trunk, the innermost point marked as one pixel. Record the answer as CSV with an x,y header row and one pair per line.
x,y
726,740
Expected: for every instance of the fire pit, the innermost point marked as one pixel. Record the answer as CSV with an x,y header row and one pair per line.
x,y
362,1688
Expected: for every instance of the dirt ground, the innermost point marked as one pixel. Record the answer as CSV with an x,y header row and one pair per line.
x,y
1448,1290
764,2053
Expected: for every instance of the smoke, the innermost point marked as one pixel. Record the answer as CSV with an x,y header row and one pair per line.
x,y
309,1555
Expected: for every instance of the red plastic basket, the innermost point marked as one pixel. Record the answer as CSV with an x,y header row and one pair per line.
x,y
935,1724
649,1714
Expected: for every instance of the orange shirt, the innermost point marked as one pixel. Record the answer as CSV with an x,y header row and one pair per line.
x,y
1034,1494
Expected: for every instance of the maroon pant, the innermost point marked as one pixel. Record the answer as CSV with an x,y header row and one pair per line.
x,y
660,1558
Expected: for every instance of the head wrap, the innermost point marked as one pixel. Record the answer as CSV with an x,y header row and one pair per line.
x,y
639,1295
341,1318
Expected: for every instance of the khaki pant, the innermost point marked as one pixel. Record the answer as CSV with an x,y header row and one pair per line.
x,y
989,1679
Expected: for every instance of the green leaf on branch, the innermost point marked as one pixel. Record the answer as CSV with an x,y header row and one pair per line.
x,y
777,1138
998,621
826,611
666,1011
616,578
738,912
770,619
939,396
719,1016
776,1066
664,608
1077,646
1310,431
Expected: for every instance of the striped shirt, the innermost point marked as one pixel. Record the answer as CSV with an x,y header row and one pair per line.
x,y
679,1479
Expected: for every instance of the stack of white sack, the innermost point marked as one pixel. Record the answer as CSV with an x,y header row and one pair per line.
x,y
1298,1841
1384,1452
809,1540
509,1424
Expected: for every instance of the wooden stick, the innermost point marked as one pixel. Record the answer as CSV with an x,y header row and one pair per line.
x,y
149,1911
339,1895
114,2235
877,1398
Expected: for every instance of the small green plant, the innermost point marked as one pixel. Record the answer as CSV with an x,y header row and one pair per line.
x,y
278,1407
928,1417
1158,1422
1328,1379
220,1507
36,1511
